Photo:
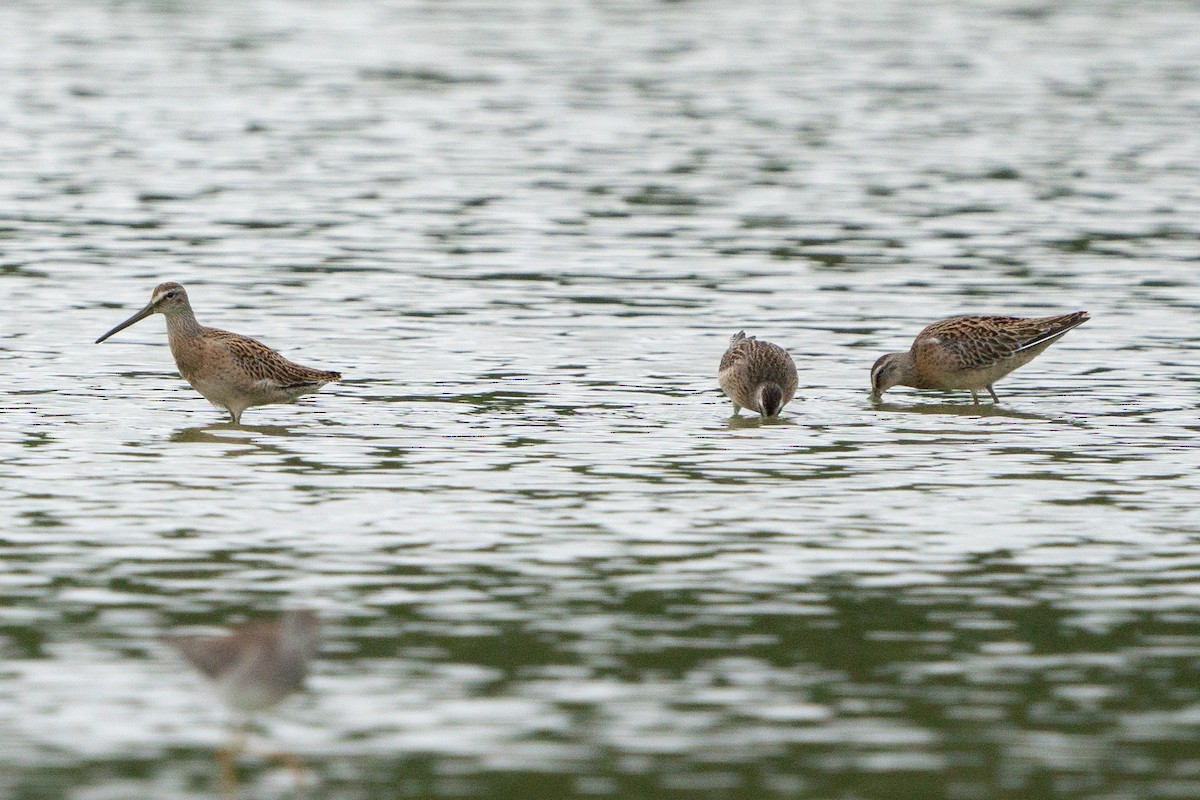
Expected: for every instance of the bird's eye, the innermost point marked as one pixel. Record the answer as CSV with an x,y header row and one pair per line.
x,y
171,295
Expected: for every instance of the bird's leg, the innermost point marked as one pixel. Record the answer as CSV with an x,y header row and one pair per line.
x,y
229,778
992,392
300,771
227,761
736,409
241,738
974,397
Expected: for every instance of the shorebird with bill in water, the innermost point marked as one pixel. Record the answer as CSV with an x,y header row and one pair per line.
x,y
232,371
970,352
757,375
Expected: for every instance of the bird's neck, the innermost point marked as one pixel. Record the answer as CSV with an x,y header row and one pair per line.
x,y
906,370
182,324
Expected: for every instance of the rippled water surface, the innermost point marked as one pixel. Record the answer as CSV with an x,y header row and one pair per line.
x,y
549,563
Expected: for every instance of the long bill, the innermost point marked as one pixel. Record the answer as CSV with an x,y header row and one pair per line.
x,y
138,317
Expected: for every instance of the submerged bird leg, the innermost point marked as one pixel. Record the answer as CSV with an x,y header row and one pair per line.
x,y
301,773
229,778
227,762
992,392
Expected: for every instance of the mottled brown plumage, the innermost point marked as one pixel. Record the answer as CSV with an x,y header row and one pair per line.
x,y
233,372
258,665
757,375
970,352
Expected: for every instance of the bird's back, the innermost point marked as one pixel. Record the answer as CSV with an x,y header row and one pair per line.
x,y
759,361
749,363
253,666
985,342
216,656
261,363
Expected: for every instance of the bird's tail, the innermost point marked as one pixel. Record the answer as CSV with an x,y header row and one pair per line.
x,y
1057,327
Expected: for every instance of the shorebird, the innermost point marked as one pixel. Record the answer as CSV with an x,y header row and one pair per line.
x,y
970,352
233,372
757,375
258,665
255,668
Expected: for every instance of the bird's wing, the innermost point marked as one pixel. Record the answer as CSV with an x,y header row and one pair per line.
x,y
972,342
262,364
981,342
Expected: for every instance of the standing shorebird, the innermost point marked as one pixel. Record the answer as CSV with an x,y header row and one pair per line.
x,y
757,375
233,372
255,668
258,665
970,352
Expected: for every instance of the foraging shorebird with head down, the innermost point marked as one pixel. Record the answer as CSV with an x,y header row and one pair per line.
x,y
757,375
970,352
233,372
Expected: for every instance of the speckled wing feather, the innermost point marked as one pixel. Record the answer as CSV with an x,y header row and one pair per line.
x,y
738,349
264,364
757,361
1044,330
755,355
734,353
981,342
